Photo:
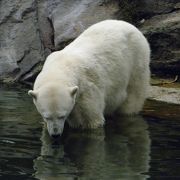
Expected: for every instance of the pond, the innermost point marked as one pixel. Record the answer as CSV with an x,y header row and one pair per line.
x,y
127,148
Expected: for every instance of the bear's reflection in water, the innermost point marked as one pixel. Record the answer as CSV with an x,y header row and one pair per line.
x,y
121,150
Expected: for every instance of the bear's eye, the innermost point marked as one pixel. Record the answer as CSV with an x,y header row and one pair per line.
x,y
47,118
61,117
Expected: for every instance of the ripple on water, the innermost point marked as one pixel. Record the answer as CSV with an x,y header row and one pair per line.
x,y
19,134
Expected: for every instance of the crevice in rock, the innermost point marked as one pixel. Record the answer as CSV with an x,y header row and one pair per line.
x,y
52,35
63,44
26,52
9,16
30,76
28,10
164,13
39,31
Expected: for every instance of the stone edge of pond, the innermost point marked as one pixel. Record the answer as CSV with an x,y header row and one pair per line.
x,y
165,94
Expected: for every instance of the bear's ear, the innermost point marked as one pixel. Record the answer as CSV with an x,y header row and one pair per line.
x,y
33,94
74,91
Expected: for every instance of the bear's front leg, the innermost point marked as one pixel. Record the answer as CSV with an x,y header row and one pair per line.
x,y
92,107
88,111
92,118
86,117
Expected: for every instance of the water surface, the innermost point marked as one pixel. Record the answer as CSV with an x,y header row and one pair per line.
x,y
128,148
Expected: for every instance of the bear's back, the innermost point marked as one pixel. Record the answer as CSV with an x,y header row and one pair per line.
x,y
105,33
108,37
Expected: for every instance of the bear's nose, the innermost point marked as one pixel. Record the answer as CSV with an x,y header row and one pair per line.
x,y
55,130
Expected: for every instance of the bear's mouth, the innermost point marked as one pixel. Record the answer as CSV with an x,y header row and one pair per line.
x,y
56,136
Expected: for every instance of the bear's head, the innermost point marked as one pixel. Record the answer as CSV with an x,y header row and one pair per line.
x,y
54,103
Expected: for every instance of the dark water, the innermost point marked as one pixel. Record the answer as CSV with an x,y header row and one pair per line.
x,y
128,148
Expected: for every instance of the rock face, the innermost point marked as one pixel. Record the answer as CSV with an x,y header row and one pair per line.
x,y
30,30
76,16
20,45
163,33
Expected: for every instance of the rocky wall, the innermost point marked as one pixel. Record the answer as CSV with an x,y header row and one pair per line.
x,y
30,30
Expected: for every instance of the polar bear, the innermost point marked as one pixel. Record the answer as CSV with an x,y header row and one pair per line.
x,y
103,71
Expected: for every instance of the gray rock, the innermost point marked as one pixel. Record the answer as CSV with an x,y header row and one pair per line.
x,y
20,44
70,18
30,30
163,33
160,22
149,8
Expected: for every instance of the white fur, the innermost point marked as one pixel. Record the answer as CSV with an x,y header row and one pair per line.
x,y
109,62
